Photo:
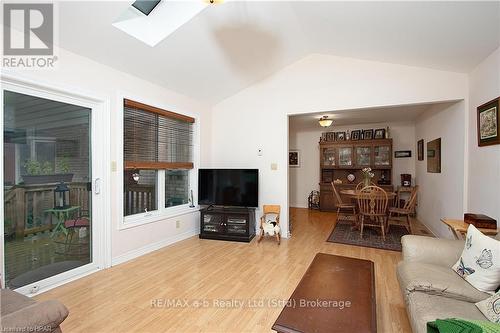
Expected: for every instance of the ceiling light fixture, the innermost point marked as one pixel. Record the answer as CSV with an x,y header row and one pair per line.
x,y
325,122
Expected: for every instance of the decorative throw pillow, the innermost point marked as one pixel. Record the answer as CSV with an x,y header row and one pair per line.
x,y
479,263
490,307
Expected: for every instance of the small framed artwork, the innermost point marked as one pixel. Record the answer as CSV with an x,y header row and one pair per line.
x,y
355,135
340,136
402,153
380,133
368,134
434,156
420,149
294,158
488,123
330,136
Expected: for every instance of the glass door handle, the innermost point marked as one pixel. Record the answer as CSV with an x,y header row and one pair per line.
x,y
97,185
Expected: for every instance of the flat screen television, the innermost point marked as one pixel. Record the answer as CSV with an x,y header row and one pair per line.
x,y
228,187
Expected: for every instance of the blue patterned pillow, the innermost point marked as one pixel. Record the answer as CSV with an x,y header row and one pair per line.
x,y
479,263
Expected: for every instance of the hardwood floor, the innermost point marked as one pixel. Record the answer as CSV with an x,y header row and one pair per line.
x,y
120,299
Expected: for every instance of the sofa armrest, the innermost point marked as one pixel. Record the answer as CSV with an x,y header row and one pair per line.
x,y
44,316
437,251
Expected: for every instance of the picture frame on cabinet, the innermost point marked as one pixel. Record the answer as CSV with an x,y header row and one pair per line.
x,y
379,133
368,134
355,135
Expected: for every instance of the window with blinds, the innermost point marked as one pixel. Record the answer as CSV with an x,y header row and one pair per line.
x,y
156,139
158,156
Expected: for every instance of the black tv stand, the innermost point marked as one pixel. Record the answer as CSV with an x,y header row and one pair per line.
x,y
227,223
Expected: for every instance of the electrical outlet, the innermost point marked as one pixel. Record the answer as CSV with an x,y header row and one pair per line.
x,y
113,166
274,166
177,224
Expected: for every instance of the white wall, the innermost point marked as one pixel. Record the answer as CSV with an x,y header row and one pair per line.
x,y
484,162
257,117
76,73
306,178
441,194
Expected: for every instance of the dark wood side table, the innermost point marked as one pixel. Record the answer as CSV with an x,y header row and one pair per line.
x,y
336,294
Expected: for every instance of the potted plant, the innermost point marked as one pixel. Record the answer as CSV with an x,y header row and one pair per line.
x,y
43,172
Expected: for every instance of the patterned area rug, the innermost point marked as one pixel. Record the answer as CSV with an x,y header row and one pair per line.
x,y
371,236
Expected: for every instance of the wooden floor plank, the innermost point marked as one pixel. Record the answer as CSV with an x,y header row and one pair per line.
x,y
119,299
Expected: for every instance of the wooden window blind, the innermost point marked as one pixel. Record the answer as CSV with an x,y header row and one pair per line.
x,y
156,139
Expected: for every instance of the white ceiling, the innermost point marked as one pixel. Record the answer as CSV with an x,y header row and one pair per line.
x,y
229,47
405,113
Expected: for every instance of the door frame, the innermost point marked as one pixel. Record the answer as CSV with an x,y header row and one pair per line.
x,y
101,152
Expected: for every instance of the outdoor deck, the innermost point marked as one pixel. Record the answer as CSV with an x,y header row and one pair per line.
x,y
37,250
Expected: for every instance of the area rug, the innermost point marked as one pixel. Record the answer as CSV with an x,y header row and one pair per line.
x,y
371,237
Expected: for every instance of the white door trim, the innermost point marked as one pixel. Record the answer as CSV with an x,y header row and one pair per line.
x,y
100,123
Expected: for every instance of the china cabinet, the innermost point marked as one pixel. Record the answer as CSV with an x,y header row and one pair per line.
x,y
340,160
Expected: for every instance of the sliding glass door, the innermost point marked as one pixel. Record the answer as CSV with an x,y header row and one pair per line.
x,y
47,175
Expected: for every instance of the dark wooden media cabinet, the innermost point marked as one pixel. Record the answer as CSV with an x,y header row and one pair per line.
x,y
231,224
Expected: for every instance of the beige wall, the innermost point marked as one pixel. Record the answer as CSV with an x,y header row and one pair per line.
x,y
80,74
483,162
442,194
304,179
257,117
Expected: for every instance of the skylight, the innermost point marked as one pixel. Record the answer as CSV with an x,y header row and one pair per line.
x,y
167,17
145,6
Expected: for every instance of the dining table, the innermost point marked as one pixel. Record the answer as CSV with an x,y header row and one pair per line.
x,y
352,194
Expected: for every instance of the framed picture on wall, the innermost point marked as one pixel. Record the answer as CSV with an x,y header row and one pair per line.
x,y
402,153
294,158
420,149
488,123
434,156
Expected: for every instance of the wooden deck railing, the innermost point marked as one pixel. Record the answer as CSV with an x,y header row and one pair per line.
x,y
137,198
25,206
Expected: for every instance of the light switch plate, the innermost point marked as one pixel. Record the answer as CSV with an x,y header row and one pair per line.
x,y
274,166
259,152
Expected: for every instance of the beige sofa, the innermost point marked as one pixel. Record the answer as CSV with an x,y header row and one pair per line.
x,y
19,313
430,287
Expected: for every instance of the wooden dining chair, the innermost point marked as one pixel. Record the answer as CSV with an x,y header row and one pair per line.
x,y
405,211
372,205
344,209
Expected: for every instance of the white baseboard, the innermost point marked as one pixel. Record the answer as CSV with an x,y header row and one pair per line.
x,y
298,206
152,247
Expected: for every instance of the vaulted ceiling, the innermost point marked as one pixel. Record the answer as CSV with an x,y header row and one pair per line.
x,y
228,47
